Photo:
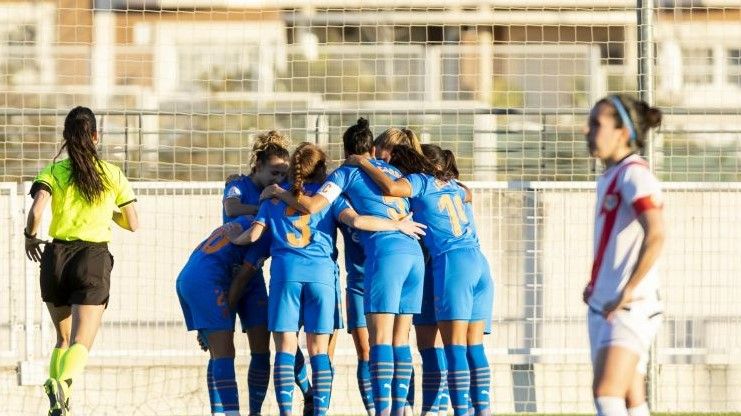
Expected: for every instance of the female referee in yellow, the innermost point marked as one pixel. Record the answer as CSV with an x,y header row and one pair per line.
x,y
86,193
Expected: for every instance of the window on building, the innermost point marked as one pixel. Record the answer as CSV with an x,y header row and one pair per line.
x,y
733,59
697,64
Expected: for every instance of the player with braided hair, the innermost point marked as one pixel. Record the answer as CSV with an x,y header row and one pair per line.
x,y
303,268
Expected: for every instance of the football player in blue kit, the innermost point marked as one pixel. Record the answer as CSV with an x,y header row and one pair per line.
x,y
429,343
268,165
203,287
463,286
356,323
303,280
394,268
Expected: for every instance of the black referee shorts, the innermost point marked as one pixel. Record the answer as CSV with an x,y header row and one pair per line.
x,y
76,273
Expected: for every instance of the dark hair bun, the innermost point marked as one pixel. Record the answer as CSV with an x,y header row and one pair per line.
x,y
362,123
653,117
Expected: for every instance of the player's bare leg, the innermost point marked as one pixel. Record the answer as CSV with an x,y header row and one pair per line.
x,y
635,401
614,372
61,317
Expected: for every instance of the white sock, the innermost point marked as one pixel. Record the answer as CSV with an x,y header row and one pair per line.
x,y
640,410
610,406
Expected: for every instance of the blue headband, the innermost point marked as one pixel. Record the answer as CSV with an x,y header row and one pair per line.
x,y
624,116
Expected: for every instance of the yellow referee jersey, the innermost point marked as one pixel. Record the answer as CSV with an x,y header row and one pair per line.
x,y
73,218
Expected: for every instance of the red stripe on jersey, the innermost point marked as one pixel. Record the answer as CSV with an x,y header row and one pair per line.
x,y
643,204
610,206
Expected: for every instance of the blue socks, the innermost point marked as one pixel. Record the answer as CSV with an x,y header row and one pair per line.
x,y
321,371
480,378
410,393
258,377
301,375
382,374
213,394
224,386
431,380
402,376
444,395
283,381
459,378
364,385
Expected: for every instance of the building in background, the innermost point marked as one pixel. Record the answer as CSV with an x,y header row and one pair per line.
x,y
304,67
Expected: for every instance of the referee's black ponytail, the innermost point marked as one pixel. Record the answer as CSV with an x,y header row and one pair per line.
x,y
79,127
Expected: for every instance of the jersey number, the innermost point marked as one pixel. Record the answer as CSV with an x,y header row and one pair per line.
x,y
398,211
456,212
215,242
302,224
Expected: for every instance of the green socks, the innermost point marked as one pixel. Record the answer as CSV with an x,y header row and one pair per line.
x,y
73,362
55,363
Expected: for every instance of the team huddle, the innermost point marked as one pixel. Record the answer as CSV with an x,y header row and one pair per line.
x,y
429,270
411,253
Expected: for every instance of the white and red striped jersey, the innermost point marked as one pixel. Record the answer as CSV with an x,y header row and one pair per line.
x,y
624,191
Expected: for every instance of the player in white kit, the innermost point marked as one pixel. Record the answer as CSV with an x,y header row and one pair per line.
x,y
622,295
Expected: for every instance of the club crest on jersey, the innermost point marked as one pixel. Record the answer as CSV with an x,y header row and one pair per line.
x,y
233,192
611,202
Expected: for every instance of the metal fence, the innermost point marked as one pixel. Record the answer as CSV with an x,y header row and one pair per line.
x,y
537,237
490,144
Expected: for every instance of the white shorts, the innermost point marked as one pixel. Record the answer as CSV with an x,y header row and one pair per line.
x,y
634,329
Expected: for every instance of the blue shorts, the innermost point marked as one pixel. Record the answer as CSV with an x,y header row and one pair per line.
x,y
464,290
427,316
204,302
309,303
253,307
393,283
293,303
354,299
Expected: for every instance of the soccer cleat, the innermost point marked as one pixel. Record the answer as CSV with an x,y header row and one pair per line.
x,y
50,388
58,394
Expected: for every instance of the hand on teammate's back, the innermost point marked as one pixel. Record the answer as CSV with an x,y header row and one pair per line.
x,y
411,228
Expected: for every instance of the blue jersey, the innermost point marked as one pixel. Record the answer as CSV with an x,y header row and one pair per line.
x,y
310,237
439,205
367,199
354,255
468,207
243,189
215,256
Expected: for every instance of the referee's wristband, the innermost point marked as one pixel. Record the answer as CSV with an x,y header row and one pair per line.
x,y
27,235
